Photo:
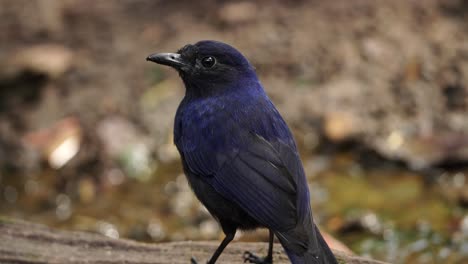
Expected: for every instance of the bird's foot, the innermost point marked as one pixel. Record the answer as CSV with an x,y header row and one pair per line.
x,y
252,258
193,260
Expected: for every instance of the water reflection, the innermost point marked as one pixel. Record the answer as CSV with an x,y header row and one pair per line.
x,y
63,210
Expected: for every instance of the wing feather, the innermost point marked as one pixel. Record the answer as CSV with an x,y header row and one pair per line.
x,y
257,179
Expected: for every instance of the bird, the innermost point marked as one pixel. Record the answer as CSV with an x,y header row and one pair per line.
x,y
239,155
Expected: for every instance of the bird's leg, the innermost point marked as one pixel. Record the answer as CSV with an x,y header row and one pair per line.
x,y
251,258
229,237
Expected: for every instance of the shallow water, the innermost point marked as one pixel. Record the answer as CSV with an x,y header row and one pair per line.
x,y
383,211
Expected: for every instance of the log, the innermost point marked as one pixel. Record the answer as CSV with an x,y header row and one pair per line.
x,y
29,243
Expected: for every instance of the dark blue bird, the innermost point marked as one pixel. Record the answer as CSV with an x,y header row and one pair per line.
x,y
238,154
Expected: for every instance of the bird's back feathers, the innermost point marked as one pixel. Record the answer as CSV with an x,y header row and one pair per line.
x,y
249,157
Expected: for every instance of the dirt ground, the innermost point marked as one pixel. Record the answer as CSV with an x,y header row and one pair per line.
x,y
390,75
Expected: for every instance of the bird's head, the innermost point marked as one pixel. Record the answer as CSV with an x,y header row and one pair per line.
x,y
208,65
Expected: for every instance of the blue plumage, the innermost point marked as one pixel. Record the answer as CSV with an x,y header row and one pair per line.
x,y
238,153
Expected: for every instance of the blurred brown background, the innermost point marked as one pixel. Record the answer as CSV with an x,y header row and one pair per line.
x,y
375,92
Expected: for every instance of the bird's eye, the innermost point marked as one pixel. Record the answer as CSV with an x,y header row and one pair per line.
x,y
208,61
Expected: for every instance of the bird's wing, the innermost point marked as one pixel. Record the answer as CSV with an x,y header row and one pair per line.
x,y
261,178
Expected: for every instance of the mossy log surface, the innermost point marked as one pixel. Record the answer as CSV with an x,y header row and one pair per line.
x,y
23,242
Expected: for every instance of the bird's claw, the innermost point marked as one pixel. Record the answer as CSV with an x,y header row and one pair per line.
x,y
193,260
252,258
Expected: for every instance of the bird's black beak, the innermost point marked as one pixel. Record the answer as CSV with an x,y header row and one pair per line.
x,y
174,60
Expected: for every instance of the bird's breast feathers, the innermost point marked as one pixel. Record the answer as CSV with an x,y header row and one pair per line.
x,y
219,123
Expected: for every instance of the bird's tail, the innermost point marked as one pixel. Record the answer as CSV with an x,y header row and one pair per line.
x,y
316,251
